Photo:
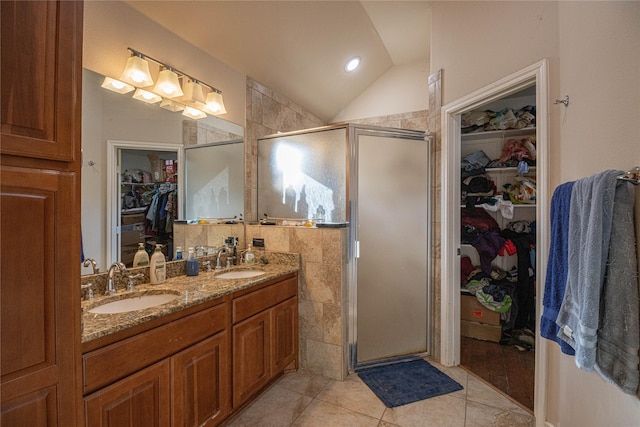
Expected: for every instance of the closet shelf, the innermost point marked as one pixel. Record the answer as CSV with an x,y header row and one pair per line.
x,y
499,133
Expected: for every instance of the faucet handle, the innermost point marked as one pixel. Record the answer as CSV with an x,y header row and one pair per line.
x,y
132,285
89,290
207,264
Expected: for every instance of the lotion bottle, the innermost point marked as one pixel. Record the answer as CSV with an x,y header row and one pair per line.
x,y
158,270
141,258
249,257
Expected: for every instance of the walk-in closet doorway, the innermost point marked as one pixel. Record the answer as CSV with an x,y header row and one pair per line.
x,y
534,75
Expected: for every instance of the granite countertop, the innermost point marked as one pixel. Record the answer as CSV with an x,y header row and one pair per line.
x,y
191,290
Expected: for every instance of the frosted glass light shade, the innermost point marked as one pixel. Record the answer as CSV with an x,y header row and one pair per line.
x,y
146,96
193,113
193,93
116,85
136,72
215,104
170,105
168,85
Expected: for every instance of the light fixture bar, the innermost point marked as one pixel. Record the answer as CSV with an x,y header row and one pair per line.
x,y
174,69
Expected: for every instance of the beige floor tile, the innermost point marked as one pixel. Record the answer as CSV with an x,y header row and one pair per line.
x,y
441,411
479,392
276,407
303,382
354,395
324,414
479,415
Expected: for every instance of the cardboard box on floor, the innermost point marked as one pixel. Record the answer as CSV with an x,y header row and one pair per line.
x,y
477,321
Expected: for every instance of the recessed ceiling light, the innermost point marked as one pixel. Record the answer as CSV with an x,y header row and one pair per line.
x,y
352,64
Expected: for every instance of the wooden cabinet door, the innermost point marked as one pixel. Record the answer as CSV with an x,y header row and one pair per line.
x,y
40,287
40,112
284,334
202,383
142,399
40,82
251,356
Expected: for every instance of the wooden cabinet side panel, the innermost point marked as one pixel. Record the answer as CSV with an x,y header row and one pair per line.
x,y
251,356
201,383
41,78
142,399
285,334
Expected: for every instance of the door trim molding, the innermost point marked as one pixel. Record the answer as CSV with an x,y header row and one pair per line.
x,y
450,213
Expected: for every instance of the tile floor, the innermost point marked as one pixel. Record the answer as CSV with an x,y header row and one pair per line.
x,y
304,399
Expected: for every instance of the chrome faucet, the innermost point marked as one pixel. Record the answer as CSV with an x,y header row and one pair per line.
x,y
220,251
92,262
117,266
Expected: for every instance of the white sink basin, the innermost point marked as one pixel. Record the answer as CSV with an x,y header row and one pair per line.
x,y
134,303
239,274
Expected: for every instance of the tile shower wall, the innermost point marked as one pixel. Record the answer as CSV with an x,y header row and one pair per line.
x,y
435,104
192,235
322,293
415,120
267,113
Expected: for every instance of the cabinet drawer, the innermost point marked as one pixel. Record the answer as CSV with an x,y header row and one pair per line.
x,y
113,362
247,305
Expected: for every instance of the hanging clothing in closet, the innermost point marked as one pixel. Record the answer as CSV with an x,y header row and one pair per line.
x,y
161,211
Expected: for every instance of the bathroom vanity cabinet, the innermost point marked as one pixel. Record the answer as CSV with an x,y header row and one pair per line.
x,y
265,336
187,369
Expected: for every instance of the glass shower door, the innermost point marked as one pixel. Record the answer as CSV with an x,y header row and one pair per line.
x,y
392,247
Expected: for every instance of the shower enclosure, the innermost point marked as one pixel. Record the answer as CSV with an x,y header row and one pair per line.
x,y
376,181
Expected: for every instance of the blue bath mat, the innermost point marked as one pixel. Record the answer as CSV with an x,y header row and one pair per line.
x,y
407,382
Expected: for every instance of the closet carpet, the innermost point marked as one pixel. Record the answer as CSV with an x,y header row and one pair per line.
x,y
503,366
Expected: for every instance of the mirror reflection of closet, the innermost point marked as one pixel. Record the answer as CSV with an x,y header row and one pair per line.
x,y
146,196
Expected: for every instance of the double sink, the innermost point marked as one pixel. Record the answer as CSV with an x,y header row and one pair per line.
x,y
149,299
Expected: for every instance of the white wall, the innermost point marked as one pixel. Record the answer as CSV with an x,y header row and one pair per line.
x,y
402,89
594,55
600,71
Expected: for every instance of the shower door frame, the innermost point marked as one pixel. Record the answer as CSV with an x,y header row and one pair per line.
x,y
355,131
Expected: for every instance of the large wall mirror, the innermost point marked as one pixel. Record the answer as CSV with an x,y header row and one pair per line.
x,y
153,141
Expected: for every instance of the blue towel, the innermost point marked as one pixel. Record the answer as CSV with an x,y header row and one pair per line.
x,y
557,267
590,222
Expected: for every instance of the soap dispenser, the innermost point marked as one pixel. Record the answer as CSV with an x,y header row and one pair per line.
x,y
157,270
141,258
192,264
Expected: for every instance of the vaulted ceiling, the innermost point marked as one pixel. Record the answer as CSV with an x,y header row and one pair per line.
x,y
299,48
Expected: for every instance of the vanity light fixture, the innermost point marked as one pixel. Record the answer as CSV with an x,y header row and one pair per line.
x,y
193,113
136,72
116,85
168,85
198,95
171,105
352,64
214,103
146,96
193,93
